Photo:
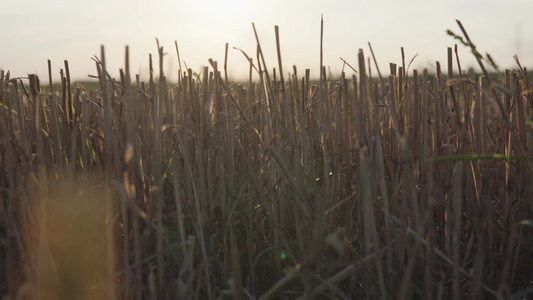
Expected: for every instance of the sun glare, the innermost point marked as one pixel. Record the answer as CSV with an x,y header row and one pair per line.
x,y
224,11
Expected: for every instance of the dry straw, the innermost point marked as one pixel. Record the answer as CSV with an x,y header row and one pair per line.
x,y
408,185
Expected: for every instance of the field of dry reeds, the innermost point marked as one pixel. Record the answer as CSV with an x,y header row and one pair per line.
x,y
394,184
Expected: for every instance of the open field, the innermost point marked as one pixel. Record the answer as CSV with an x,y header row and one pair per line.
x,y
385,185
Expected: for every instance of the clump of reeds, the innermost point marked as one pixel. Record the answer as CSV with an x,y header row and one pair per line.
x,y
407,185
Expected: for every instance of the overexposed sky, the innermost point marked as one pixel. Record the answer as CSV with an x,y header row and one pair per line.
x,y
34,31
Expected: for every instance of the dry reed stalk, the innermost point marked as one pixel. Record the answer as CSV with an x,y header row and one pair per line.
x,y
456,227
108,138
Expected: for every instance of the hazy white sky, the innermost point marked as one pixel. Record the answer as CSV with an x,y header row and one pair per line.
x,y
34,31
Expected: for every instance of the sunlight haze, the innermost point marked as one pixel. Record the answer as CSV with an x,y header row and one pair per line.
x,y
58,30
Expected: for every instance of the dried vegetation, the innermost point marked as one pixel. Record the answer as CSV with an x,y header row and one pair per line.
x,y
398,186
